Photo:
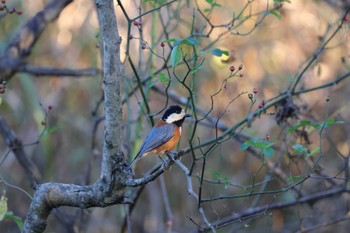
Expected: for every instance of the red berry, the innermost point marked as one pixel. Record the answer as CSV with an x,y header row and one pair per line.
x,y
169,223
162,44
137,23
19,12
346,18
232,68
241,75
2,88
49,107
267,137
143,46
260,105
2,8
240,67
255,91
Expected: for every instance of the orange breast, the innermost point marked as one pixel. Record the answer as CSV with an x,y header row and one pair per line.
x,y
169,145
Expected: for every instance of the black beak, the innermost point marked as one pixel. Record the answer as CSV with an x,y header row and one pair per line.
x,y
187,115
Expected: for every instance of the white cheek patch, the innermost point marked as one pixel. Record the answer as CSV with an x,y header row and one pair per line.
x,y
175,117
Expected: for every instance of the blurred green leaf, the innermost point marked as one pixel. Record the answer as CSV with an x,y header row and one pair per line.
x,y
151,83
294,179
269,151
175,56
209,1
163,78
189,41
197,68
276,13
50,130
304,151
326,124
259,143
314,151
16,219
300,149
170,40
224,179
3,206
219,52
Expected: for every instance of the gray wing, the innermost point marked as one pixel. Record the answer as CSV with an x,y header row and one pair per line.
x,y
156,137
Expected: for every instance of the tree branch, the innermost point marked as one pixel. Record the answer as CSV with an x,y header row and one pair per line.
x,y
264,208
52,71
108,190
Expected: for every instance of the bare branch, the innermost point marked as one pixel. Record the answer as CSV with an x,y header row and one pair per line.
x,y
52,71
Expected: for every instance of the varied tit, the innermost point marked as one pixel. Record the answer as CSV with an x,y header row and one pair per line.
x,y
165,134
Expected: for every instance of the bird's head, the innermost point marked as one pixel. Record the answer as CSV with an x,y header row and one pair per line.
x,y
175,114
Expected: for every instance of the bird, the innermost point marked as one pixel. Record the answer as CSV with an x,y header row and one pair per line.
x,y
165,134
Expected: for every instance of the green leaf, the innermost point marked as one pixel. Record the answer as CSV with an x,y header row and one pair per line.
x,y
215,5
221,178
170,40
314,151
244,146
197,68
16,219
189,41
175,56
269,152
328,123
209,1
206,10
261,144
151,83
300,149
50,130
301,124
219,52
275,13
163,78
3,206
294,179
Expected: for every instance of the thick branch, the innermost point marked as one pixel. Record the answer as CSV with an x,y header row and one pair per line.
x,y
108,189
52,195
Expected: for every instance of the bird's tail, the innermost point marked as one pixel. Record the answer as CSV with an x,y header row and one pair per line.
x,y
134,160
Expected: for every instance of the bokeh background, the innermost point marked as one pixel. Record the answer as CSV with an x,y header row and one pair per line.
x,y
272,55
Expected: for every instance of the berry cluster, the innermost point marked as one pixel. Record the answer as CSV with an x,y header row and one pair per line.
x,y
4,7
